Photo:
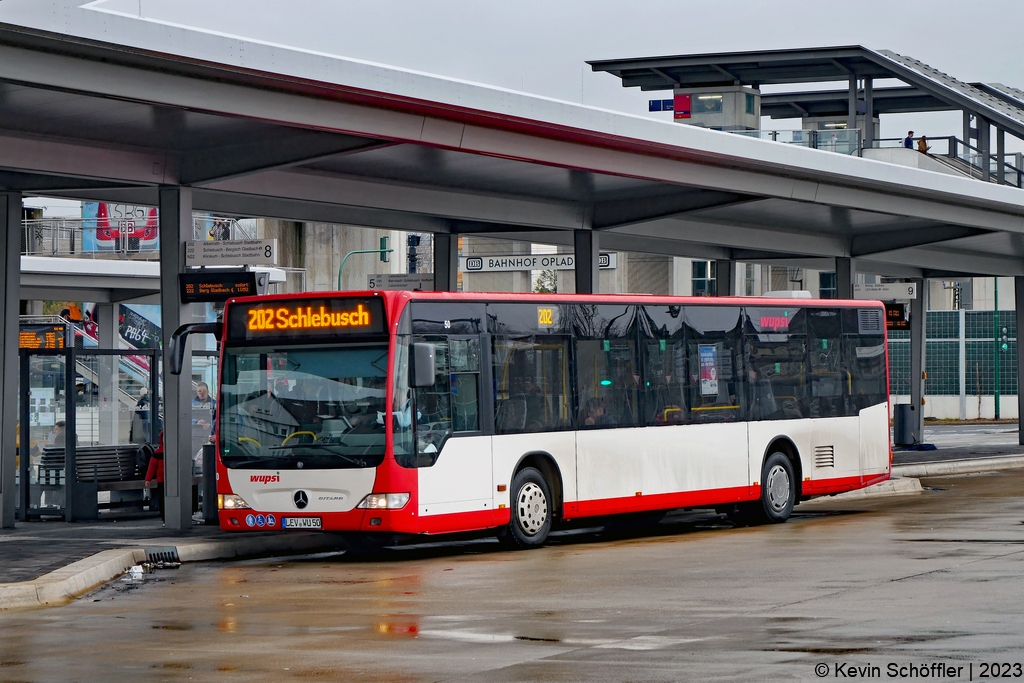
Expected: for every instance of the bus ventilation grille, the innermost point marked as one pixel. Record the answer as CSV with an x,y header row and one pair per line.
x,y
824,456
166,554
869,320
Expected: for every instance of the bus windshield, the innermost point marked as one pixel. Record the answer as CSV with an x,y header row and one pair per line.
x,y
293,407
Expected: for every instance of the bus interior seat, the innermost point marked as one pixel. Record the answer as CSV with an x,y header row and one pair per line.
x,y
511,414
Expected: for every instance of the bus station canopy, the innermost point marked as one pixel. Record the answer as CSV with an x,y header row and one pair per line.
x,y
926,88
256,129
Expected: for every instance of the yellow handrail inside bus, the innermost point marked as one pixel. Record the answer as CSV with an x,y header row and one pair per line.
x,y
715,408
249,438
304,431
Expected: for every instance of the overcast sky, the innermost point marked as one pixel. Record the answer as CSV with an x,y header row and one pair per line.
x,y
540,45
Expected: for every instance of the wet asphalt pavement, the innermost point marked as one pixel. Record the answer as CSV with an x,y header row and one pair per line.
x,y
916,580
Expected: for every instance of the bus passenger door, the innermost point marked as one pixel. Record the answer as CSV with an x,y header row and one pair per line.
x,y
452,440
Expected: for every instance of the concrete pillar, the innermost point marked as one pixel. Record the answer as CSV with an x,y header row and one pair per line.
x,y
851,114
586,247
10,300
109,406
918,307
725,278
446,262
175,228
846,276
1018,292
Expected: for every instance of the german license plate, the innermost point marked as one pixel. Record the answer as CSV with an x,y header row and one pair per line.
x,y
302,523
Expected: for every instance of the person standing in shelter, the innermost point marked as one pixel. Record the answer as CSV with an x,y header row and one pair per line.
x,y
205,404
155,471
908,141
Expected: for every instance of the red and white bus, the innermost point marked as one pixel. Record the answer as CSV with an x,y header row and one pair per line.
x,y
428,413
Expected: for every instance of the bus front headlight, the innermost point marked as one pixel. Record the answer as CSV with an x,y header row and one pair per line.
x,y
384,501
229,501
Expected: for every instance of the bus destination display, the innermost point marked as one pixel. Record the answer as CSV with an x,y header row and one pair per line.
x,y
306,318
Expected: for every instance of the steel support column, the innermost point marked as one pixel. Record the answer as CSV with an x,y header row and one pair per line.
x,y
107,324
725,278
985,147
1000,153
10,301
869,112
446,262
918,307
176,227
586,247
846,275
1018,290
851,115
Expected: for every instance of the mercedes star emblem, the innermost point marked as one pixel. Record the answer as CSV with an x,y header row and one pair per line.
x,y
301,499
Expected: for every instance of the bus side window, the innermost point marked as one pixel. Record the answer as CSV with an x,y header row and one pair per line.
x,y
826,379
433,405
776,341
663,375
715,383
464,355
863,358
607,372
531,384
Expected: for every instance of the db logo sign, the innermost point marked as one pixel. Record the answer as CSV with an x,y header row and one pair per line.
x,y
474,263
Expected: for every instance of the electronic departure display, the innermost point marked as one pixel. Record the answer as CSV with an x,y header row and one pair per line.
x,y
41,337
306,319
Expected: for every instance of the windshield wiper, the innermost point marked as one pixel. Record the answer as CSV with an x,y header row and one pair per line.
x,y
343,456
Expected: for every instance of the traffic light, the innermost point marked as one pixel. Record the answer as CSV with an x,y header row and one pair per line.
x,y
412,241
384,249
1004,341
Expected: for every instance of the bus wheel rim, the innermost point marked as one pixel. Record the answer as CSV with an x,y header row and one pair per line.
x,y
531,508
778,488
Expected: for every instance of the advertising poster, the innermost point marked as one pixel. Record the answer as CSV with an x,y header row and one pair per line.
x,y
681,107
119,227
708,370
138,330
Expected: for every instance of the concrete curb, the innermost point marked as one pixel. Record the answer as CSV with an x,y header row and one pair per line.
x,y
63,585
890,487
931,469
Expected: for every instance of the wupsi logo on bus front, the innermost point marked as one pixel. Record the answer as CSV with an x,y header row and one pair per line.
x,y
265,478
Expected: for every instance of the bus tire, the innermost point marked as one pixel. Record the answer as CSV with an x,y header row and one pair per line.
x,y
778,489
531,509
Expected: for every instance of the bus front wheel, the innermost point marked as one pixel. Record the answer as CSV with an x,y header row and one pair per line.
x,y
531,511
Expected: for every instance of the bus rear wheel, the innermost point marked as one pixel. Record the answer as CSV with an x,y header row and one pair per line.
x,y
778,495
778,489
531,511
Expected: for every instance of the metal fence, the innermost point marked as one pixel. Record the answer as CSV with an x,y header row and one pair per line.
x,y
964,352
121,238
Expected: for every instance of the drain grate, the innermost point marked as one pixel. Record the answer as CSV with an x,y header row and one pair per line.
x,y
166,554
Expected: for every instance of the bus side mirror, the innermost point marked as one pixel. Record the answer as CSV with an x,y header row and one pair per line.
x,y
422,372
176,350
